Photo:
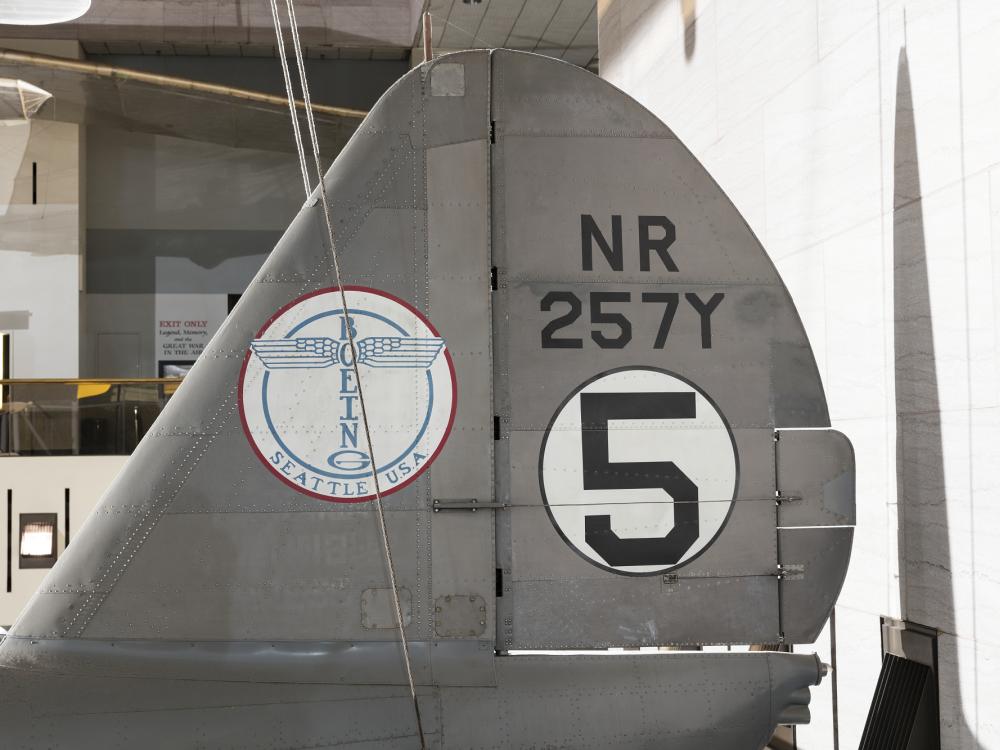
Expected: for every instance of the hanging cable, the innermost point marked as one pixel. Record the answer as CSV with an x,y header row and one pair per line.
x,y
297,133
386,547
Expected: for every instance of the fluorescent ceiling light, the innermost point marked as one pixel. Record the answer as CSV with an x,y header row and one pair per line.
x,y
37,539
38,12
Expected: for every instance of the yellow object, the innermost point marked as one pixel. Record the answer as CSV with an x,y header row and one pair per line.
x,y
86,390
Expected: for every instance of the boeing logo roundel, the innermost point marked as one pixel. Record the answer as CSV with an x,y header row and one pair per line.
x,y
300,403
638,471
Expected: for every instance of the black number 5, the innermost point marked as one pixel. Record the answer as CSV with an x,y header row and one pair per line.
x,y
599,316
596,409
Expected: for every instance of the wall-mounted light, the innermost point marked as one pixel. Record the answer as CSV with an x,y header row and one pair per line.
x,y
37,540
39,12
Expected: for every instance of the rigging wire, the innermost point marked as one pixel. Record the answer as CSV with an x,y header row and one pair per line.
x,y
472,35
291,97
310,121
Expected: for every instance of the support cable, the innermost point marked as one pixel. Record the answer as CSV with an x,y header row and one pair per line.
x,y
291,97
386,547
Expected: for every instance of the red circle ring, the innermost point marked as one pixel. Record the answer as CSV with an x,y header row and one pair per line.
x,y
451,371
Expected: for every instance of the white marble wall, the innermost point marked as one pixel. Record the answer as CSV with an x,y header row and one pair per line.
x,y
861,140
40,247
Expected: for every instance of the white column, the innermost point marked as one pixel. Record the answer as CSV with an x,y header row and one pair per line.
x,y
41,241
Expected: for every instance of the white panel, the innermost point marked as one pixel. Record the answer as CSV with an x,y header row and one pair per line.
x,y
983,278
987,690
930,38
871,586
184,324
986,518
736,161
980,29
13,143
855,321
43,12
859,659
823,155
839,20
39,253
38,485
763,47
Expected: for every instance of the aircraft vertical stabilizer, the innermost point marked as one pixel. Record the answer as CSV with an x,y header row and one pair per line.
x,y
596,421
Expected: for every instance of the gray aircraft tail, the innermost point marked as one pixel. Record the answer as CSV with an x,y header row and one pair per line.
x,y
596,420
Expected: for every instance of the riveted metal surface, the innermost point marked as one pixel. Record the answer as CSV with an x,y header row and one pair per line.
x,y
816,469
378,611
209,604
570,309
723,701
811,559
460,616
326,662
462,543
681,701
67,711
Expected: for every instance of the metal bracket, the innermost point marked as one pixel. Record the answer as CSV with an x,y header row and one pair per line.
x,y
909,640
470,504
779,498
791,571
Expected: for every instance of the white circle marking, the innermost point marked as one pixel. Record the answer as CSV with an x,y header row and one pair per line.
x,y
701,447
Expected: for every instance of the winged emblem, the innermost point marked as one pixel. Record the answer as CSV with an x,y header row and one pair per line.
x,y
374,351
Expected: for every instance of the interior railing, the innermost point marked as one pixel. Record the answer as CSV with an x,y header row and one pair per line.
x,y
79,417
